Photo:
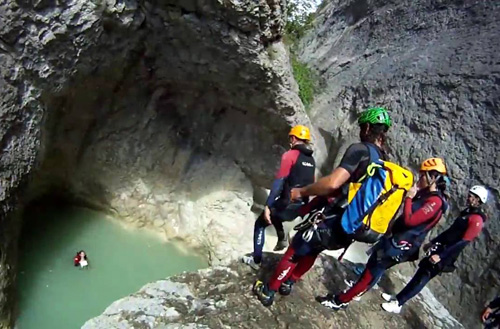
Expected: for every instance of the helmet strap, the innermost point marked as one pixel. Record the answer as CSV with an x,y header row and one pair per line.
x,y
430,180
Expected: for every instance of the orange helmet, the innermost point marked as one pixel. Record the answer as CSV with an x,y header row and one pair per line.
x,y
436,164
301,132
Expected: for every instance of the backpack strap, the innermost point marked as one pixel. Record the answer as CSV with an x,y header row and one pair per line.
x,y
374,156
373,161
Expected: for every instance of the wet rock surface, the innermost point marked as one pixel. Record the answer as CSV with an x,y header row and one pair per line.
x,y
436,66
221,297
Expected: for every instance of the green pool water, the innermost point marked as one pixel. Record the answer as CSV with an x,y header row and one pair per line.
x,y
54,294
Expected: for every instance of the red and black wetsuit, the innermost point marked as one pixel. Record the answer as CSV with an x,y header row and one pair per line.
x,y
448,246
464,229
297,169
493,321
76,260
420,215
300,256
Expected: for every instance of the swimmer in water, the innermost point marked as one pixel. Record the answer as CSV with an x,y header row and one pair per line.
x,y
81,259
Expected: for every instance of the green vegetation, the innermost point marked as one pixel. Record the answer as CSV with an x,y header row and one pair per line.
x,y
300,20
297,24
306,79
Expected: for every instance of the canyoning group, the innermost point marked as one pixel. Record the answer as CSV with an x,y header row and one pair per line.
x,y
367,198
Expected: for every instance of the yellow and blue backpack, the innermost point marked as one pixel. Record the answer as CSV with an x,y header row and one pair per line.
x,y
374,200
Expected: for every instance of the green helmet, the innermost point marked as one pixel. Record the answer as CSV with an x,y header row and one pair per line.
x,y
375,115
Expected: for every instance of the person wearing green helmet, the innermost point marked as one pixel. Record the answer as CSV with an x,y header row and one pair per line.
x,y
303,250
375,115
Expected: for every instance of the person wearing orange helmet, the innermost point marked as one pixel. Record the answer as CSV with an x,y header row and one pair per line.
x,y
443,250
300,256
297,169
424,206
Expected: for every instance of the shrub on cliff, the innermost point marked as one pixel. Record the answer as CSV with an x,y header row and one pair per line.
x,y
300,17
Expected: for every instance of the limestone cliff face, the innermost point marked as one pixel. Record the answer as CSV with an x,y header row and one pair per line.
x,y
169,113
436,66
222,297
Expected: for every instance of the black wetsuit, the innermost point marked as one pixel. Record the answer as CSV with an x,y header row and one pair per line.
x,y
493,321
297,169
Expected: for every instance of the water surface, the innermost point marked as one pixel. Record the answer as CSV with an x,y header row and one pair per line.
x,y
54,294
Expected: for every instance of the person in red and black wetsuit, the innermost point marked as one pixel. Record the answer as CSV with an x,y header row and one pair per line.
x,y
444,249
491,315
297,169
80,259
301,254
422,210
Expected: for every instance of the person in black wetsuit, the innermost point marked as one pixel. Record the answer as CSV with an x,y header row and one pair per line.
x,y
422,210
443,250
491,315
301,254
297,169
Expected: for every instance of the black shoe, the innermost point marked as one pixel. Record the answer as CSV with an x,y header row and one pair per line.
x,y
265,295
331,302
286,288
282,244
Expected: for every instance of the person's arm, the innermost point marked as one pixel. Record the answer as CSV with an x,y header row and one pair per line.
x,y
429,210
288,159
495,303
340,175
439,237
475,225
328,184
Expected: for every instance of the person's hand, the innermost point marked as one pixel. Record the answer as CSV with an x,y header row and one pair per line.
x,y
412,192
435,259
486,314
267,215
295,194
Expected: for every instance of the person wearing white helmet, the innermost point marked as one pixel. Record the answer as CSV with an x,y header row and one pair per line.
x,y
443,250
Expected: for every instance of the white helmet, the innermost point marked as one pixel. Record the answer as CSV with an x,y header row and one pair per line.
x,y
481,192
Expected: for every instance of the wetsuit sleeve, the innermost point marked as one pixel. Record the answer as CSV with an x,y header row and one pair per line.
x,y
288,160
439,237
429,210
276,189
353,156
475,225
474,228
495,303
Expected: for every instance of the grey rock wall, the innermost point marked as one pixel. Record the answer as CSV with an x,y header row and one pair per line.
x,y
436,66
165,113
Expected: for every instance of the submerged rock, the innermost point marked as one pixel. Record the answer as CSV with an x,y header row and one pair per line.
x,y
221,297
